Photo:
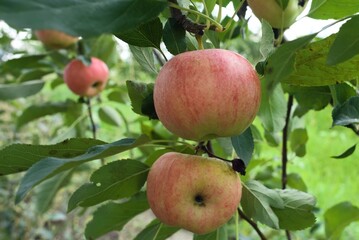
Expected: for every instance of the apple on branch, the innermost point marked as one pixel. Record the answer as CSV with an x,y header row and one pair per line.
x,y
196,193
204,94
274,14
86,81
55,39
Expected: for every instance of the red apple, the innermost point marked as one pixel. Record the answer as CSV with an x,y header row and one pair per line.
x,y
55,39
85,80
196,193
272,12
205,94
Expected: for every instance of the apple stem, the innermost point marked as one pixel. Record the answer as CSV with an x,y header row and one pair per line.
x,y
238,164
252,223
92,122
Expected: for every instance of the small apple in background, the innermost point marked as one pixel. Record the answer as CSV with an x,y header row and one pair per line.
x,y
272,12
204,94
55,39
196,193
86,81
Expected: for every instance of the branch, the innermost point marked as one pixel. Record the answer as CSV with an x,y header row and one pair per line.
x,y
252,223
89,109
285,142
285,149
188,25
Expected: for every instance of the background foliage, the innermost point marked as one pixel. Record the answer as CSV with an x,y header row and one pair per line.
x,y
51,165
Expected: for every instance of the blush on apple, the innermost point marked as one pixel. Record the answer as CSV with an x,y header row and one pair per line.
x,y
85,80
272,12
204,94
55,39
196,193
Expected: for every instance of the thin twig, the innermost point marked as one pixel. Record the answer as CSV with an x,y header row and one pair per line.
x,y
252,223
285,150
92,122
159,57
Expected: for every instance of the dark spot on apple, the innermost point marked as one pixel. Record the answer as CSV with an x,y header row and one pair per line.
x,y
96,84
199,200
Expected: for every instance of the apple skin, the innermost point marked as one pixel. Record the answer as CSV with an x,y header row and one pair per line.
x,y
55,39
204,94
176,180
86,81
271,11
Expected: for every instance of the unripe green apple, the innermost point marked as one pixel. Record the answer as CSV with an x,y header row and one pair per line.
x,y
204,94
272,12
196,193
84,80
55,39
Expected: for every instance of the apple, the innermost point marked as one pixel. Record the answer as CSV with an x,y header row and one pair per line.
x,y
55,39
204,94
272,12
192,192
84,80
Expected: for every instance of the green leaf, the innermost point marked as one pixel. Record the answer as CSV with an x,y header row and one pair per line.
x,y
141,95
51,166
37,111
113,181
311,68
219,234
17,66
80,18
19,157
298,139
210,5
332,9
33,74
297,212
347,152
346,44
104,47
156,230
257,201
146,35
26,89
295,181
47,191
266,44
310,98
110,115
244,145
144,56
281,63
346,113
342,92
174,37
338,217
113,216
273,109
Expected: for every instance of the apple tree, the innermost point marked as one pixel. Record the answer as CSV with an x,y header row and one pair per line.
x,y
95,93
